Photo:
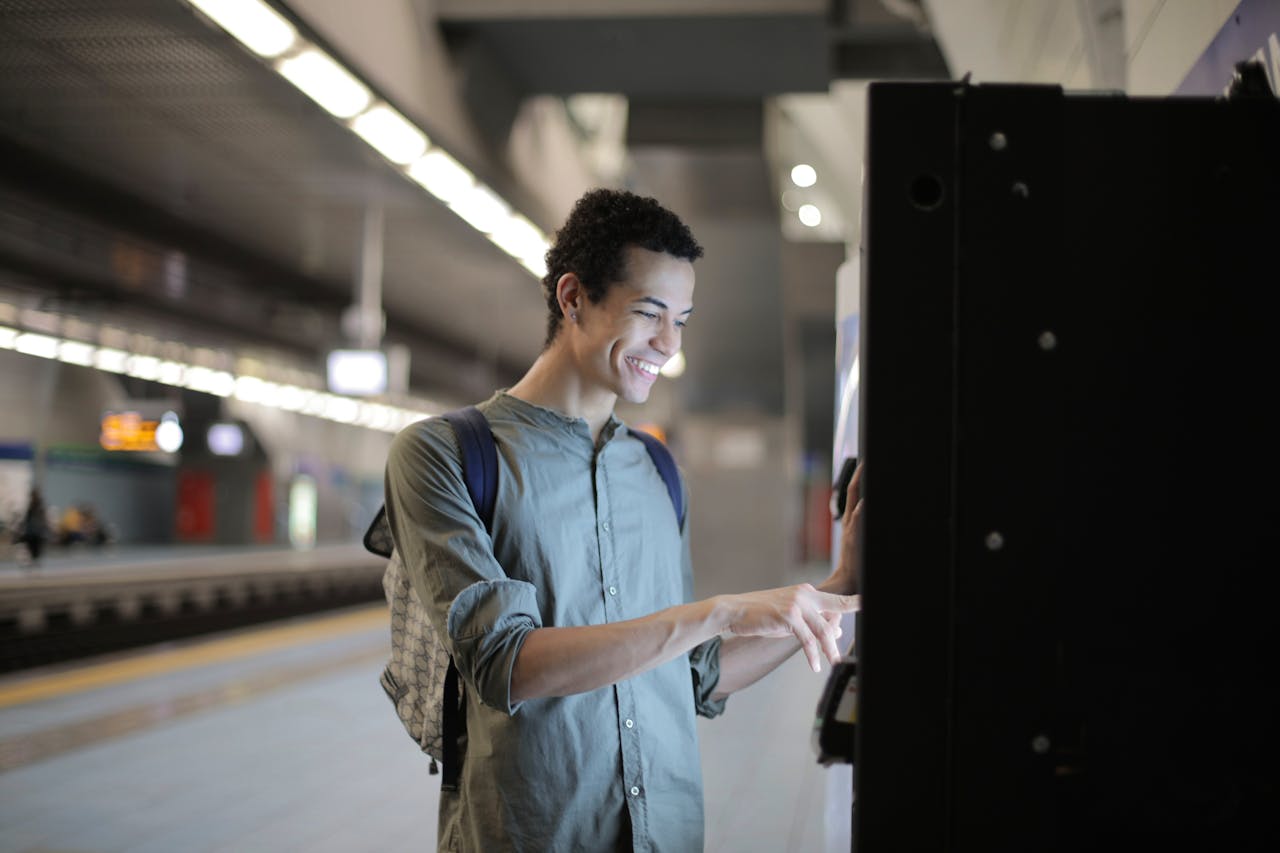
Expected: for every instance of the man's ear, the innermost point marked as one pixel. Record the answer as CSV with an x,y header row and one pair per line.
x,y
570,294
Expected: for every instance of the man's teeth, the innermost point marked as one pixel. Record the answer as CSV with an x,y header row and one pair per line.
x,y
651,369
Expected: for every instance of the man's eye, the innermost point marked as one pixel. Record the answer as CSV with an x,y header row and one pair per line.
x,y
680,324
648,315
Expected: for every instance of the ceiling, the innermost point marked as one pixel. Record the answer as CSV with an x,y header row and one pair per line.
x,y
154,174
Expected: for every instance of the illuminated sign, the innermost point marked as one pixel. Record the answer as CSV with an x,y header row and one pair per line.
x,y
360,372
129,431
225,439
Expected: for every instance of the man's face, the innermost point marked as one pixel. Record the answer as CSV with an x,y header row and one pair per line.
x,y
637,327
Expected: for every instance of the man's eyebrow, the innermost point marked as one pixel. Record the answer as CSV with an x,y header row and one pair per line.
x,y
655,301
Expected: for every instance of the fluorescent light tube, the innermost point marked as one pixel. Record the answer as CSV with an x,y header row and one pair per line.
x,y
326,82
442,176
537,266
75,352
481,208
42,346
143,367
111,360
254,24
391,134
518,237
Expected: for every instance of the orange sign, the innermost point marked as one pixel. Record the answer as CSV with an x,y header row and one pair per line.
x,y
128,431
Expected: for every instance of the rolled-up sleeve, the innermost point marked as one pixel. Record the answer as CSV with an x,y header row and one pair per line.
x,y
482,615
488,623
704,665
704,660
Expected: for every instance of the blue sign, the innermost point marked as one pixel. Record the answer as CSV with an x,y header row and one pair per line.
x,y
1250,33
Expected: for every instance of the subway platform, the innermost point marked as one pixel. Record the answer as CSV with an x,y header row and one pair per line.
x,y
278,737
83,600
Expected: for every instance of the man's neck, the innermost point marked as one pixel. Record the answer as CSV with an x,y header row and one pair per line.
x,y
555,382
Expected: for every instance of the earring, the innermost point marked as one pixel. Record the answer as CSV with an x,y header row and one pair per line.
x,y
573,316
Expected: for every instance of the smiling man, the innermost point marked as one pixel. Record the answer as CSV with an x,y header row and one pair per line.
x,y
583,658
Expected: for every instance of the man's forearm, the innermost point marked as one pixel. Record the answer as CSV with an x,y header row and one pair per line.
x,y
563,661
746,660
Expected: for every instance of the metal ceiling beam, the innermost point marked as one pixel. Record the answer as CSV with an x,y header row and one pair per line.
x,y
276,290
473,10
684,58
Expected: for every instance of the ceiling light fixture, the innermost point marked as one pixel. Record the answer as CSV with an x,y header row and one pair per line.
x,y
481,208
248,389
442,176
75,352
390,133
518,237
42,346
254,24
326,82
810,215
804,175
346,96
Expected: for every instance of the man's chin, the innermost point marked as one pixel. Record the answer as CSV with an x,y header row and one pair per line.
x,y
636,396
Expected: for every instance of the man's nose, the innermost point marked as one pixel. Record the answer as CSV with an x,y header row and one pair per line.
x,y
667,341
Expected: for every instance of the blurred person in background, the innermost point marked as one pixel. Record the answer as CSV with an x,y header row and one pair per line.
x,y
583,658
33,529
80,524
71,526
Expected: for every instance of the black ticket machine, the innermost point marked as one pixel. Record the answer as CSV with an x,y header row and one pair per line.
x,y
1068,637
837,717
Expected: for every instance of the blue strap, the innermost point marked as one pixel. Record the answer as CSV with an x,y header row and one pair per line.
x,y
667,468
480,473
479,460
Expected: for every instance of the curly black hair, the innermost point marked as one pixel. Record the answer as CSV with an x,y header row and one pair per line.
x,y
593,241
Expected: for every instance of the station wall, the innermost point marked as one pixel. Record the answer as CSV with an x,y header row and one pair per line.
x,y
50,426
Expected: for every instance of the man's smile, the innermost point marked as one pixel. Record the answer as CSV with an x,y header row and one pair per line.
x,y
646,367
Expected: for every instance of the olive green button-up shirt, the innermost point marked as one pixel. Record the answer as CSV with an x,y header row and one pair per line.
x,y
584,533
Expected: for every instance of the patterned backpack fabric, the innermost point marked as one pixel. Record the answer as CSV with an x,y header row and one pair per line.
x,y
420,678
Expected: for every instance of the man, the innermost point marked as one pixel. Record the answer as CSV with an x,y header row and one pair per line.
x,y
583,659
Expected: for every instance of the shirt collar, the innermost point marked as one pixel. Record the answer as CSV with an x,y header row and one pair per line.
x,y
542,416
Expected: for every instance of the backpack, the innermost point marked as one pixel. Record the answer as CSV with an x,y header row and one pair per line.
x,y
420,678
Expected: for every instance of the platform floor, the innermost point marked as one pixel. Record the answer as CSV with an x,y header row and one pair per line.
x,y
278,738
124,562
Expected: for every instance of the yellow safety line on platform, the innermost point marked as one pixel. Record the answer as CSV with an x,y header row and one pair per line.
x,y
242,645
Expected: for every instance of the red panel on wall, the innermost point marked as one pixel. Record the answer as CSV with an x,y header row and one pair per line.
x,y
264,517
195,506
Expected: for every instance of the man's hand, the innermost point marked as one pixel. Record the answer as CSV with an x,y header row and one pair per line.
x,y
811,616
844,579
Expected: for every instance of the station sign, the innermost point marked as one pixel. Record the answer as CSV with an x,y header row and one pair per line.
x,y
131,432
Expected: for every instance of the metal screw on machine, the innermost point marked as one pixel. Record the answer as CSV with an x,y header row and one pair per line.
x,y
1021,190
1040,744
1047,340
994,541
998,141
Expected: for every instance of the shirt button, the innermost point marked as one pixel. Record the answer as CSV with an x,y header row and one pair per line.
x,y
635,792
605,526
613,590
629,723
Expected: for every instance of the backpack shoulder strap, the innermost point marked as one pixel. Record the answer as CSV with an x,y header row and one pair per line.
x,y
666,467
479,459
479,472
